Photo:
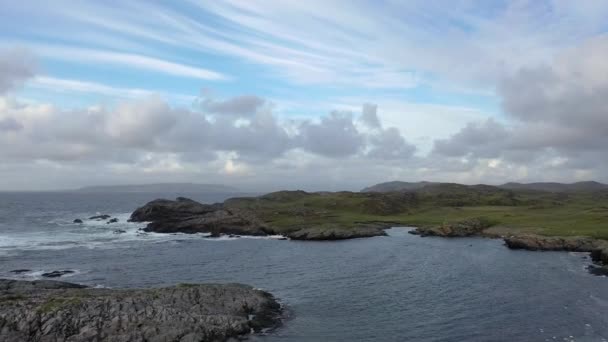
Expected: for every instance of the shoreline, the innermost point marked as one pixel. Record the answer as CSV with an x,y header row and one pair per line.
x,y
597,248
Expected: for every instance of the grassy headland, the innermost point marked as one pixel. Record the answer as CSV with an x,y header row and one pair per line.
x,y
507,211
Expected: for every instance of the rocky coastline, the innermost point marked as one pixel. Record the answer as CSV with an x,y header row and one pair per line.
x,y
184,215
598,249
49,310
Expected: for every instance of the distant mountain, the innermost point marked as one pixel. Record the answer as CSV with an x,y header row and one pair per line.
x,y
397,186
433,187
556,187
162,187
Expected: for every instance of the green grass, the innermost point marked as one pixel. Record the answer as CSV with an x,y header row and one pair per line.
x,y
552,214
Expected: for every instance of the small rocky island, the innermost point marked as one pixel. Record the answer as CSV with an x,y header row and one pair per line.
x,y
57,311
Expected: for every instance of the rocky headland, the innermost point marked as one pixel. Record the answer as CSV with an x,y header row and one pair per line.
x,y
58,311
184,215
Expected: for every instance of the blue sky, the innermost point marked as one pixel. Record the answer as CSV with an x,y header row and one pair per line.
x,y
432,68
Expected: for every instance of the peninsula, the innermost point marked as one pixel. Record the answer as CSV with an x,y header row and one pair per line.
x,y
575,217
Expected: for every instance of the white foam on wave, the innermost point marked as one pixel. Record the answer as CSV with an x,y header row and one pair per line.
x,y
62,233
253,237
37,274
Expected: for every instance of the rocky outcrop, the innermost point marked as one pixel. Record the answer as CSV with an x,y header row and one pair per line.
x,y
335,233
546,243
597,248
58,311
187,216
463,228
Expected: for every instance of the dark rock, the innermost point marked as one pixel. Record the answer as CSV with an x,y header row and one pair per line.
x,y
162,209
114,220
283,238
100,217
58,311
598,270
187,216
57,274
21,270
77,221
119,231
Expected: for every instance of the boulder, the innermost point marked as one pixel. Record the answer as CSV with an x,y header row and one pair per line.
x,y
58,311
114,220
77,221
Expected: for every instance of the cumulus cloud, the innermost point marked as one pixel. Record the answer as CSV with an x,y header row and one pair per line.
x,y
137,138
556,119
334,136
16,66
369,115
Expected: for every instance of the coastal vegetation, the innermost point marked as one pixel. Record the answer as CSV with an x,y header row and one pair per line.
x,y
583,213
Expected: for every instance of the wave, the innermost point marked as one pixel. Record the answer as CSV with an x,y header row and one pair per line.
x,y
63,233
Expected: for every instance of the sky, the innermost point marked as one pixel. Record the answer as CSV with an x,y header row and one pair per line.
x,y
315,95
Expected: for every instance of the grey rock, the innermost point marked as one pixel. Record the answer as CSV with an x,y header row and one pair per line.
x,y
57,274
77,221
58,311
114,220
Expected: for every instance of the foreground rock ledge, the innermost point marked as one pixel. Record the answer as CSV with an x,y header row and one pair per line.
x,y
57,311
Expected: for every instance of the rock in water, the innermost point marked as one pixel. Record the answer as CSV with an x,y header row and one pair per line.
x,y
114,220
58,311
77,221
57,274
99,217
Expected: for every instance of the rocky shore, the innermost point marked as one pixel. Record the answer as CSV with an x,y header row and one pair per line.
x,y
598,249
187,216
58,311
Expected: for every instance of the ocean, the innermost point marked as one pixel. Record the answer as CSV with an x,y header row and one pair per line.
x,y
399,287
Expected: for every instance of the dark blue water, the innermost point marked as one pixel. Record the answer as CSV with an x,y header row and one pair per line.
x,y
395,288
